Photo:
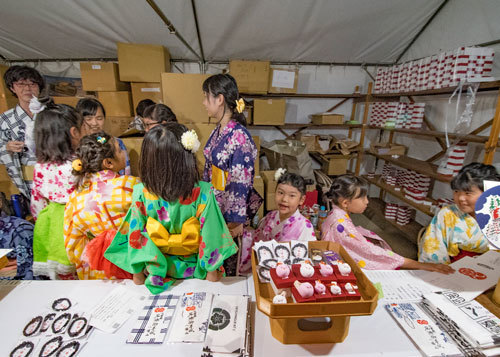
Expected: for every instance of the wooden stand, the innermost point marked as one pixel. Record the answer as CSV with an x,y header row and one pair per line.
x,y
301,331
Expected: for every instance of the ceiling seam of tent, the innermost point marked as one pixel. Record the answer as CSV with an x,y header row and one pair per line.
x,y
421,30
171,27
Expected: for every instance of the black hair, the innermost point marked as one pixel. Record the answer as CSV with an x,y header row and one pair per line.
x,y
225,84
88,106
142,105
53,138
472,175
19,73
160,113
166,168
93,149
297,181
348,187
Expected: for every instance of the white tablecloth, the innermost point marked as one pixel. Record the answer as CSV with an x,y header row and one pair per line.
x,y
375,335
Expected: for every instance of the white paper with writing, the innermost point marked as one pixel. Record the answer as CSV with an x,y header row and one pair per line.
x,y
283,79
191,318
115,309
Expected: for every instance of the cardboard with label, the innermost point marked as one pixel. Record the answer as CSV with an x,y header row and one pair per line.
x,y
251,76
269,111
141,91
101,76
283,80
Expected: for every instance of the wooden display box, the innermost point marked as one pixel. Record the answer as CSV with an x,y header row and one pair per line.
x,y
286,320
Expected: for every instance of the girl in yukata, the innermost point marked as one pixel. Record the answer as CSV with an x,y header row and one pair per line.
x,y
94,115
284,224
57,135
453,232
97,207
349,195
174,228
230,155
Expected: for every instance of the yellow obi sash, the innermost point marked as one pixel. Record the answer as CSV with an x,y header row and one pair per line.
x,y
185,243
219,178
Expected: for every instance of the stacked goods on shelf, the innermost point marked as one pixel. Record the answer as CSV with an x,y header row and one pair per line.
x,y
440,203
444,70
398,115
391,210
454,159
415,185
404,215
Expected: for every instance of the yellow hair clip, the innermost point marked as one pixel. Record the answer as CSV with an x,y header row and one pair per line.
x,y
77,165
240,105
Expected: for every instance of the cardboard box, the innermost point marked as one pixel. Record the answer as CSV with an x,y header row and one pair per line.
x,y
101,76
141,91
184,95
66,100
251,76
7,186
248,113
269,182
256,140
117,104
133,145
7,99
258,184
336,164
388,149
203,130
283,80
269,111
327,118
142,63
116,126
270,201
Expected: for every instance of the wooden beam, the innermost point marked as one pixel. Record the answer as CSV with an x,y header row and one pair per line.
x,y
353,112
363,128
338,105
482,127
491,145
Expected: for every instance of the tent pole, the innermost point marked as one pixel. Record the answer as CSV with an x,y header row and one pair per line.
x,y
193,5
171,27
421,30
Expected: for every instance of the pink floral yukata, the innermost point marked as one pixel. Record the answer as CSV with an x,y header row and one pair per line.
x,y
296,227
339,228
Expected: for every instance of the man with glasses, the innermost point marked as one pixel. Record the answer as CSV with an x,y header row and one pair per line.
x,y
16,124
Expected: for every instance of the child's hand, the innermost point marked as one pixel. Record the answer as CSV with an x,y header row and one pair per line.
x,y
214,275
438,268
139,278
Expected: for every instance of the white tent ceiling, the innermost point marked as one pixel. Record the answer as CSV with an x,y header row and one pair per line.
x,y
328,31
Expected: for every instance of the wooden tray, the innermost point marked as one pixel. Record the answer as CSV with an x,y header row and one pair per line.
x,y
287,320
264,294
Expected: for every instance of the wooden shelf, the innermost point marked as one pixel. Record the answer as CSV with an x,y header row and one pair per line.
x,y
377,207
436,134
302,95
305,125
410,163
377,181
483,86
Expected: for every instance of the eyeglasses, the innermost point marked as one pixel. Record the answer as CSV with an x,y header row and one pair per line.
x,y
26,84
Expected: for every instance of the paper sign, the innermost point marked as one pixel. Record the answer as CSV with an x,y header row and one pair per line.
x,y
155,319
283,79
96,66
472,276
4,252
490,184
115,309
157,89
191,318
426,334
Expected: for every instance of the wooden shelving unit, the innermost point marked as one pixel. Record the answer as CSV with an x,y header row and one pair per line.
x,y
377,181
306,126
303,95
410,163
483,86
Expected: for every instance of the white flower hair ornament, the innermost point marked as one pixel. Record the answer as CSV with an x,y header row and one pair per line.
x,y
281,171
35,105
189,140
